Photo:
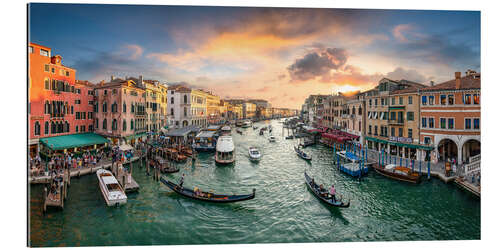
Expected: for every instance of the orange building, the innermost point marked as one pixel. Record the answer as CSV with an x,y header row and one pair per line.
x,y
58,105
450,114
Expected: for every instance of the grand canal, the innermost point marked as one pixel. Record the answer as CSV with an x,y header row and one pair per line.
x,y
283,210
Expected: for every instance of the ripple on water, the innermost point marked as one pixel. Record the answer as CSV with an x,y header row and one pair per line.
x,y
284,210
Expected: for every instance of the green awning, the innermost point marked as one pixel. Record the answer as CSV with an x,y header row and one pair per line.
x,y
396,107
399,144
73,141
135,136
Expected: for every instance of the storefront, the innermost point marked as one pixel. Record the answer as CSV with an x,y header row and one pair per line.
x,y
75,143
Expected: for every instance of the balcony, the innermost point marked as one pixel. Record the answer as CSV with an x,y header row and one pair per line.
x,y
397,122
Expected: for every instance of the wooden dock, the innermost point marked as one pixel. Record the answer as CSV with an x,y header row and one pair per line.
x,y
125,178
56,199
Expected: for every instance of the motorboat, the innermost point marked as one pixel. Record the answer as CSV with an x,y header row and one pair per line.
x,y
205,141
272,138
246,124
111,190
226,130
254,153
398,173
225,150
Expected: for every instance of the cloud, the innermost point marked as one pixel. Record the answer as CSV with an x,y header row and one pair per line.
x,y
316,64
202,79
136,50
399,30
263,89
410,74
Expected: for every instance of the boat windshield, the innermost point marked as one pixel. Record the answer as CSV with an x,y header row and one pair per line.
x,y
113,187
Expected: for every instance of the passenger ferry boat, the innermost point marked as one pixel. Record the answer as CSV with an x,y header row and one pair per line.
x,y
205,141
225,150
111,190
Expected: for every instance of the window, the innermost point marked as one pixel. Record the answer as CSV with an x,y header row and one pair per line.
x,y
409,116
104,107
53,70
451,123
37,128
96,123
67,126
30,49
467,99
114,124
46,68
393,132
370,102
400,100
424,100
443,122
360,111
427,140
44,52
376,102
185,111
468,123
124,126
78,101
410,133
382,101
67,73
76,128
424,122
375,115
431,100
369,129
72,89
114,107
185,99
400,130
451,99
91,128
431,122
46,128
386,115
171,112
375,130
410,99
82,128
124,108
442,99
393,115
83,115
105,92
114,91
132,125
476,123
104,124
71,109
172,100
393,100
476,98
77,115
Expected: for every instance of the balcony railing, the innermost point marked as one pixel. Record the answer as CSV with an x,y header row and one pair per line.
x,y
396,122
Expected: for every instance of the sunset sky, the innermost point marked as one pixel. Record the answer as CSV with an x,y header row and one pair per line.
x,y
279,54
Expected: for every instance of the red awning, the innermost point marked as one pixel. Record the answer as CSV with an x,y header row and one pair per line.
x,y
334,137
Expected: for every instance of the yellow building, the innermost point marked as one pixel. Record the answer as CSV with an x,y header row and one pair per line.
x,y
213,108
199,108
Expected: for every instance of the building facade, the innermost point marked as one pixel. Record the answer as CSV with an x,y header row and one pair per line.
x,y
451,118
57,104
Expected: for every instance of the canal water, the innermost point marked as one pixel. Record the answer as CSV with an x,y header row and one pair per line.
x,y
283,210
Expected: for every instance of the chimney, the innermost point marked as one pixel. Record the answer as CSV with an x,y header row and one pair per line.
x,y
432,83
112,77
457,80
141,80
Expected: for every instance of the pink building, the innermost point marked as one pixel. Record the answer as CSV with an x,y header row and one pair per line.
x,y
119,109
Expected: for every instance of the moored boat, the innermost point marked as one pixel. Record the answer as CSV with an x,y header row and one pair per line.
x,y
272,138
225,150
205,141
246,124
323,194
398,173
111,190
206,196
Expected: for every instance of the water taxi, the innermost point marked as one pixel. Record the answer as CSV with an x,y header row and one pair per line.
x,y
225,150
254,154
111,190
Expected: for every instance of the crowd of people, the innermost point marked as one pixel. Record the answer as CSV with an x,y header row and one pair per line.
x,y
56,163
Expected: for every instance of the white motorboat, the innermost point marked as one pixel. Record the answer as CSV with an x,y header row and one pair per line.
x,y
254,154
226,130
272,138
246,124
225,150
111,190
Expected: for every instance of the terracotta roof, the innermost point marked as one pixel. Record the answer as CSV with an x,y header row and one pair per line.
x,y
179,88
467,82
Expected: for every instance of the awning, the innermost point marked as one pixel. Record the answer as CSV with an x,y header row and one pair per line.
x,y
125,147
183,131
399,144
135,136
73,141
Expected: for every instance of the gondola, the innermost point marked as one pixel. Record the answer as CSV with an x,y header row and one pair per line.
x,y
302,154
289,137
399,173
239,132
315,189
217,198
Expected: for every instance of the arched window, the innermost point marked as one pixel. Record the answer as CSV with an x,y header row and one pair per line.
x,y
96,123
131,124
114,124
104,107
47,107
360,111
67,127
46,128
124,128
132,108
104,124
113,107
71,109
76,129
185,99
171,112
37,128
52,128
124,108
171,100
185,111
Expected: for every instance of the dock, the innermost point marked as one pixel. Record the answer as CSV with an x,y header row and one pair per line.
x,y
56,199
125,178
473,189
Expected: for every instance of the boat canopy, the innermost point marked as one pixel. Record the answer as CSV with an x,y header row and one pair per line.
x,y
213,127
73,141
390,166
206,134
125,147
109,180
225,144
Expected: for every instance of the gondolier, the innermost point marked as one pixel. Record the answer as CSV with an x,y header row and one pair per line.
x,y
181,181
332,193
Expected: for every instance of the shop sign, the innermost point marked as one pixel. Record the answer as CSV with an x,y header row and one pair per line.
x,y
400,139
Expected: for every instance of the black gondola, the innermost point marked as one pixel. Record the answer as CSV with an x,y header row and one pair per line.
x,y
239,132
315,189
169,170
289,137
217,198
302,154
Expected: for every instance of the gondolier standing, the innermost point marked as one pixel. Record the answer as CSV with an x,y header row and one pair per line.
x,y
181,181
332,193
